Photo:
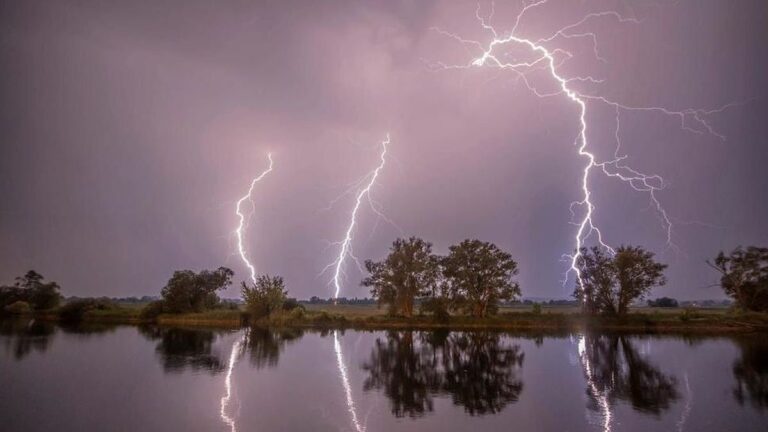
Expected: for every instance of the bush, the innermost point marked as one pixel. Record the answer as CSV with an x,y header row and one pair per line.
x,y
437,306
152,310
74,311
264,297
18,308
536,309
291,304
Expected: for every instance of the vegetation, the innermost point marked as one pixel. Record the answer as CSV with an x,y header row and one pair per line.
x,y
264,297
663,302
74,311
188,291
478,275
610,283
744,276
473,278
31,289
410,271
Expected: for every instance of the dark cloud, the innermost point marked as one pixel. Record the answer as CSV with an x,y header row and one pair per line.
x,y
129,130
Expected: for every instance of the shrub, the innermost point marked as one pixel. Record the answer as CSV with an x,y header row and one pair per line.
x,y
437,306
152,310
291,303
536,309
18,308
264,297
74,311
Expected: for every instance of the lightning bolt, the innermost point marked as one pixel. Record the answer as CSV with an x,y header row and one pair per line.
x,y
345,249
550,60
241,217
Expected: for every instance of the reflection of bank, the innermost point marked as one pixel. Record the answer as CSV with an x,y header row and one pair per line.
x,y
616,371
345,382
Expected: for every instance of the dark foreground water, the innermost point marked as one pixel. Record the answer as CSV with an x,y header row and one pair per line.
x,y
174,379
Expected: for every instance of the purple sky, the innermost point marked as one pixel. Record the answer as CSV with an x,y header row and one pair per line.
x,y
129,130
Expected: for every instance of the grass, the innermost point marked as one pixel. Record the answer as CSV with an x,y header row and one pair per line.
x,y
522,317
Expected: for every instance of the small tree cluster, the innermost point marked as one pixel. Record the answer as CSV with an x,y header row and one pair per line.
x,y
265,296
609,283
473,278
32,290
188,291
744,276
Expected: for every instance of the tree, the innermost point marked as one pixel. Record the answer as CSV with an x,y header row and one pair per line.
x,y
479,274
610,284
32,289
410,271
663,302
188,291
744,276
596,279
264,297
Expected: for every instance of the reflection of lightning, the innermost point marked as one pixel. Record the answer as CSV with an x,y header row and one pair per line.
x,y
688,406
229,421
345,382
600,397
346,244
549,60
241,216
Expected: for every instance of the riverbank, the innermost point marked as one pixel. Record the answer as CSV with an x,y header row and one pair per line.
x,y
370,318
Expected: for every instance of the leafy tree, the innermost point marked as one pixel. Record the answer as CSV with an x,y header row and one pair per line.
x,y
264,297
188,291
611,284
32,289
664,302
596,280
410,271
478,275
744,276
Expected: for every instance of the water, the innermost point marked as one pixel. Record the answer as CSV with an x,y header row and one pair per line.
x,y
161,379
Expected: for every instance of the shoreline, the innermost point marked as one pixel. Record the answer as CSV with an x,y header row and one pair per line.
x,y
669,322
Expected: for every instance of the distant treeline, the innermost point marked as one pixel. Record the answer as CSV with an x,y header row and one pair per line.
x,y
475,278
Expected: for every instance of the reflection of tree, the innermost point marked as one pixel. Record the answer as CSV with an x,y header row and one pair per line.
x,y
481,373
22,336
408,374
478,370
264,345
618,371
181,348
751,372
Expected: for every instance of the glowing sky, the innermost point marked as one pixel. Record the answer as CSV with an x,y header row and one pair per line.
x,y
130,130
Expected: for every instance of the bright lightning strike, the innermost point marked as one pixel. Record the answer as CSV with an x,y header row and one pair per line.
x,y
241,225
345,249
549,60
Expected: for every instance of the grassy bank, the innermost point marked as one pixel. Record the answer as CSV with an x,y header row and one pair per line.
x,y
516,318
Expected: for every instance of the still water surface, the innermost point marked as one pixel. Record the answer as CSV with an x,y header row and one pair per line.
x,y
180,379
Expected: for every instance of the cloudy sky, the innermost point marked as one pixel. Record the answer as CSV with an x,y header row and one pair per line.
x,y
130,129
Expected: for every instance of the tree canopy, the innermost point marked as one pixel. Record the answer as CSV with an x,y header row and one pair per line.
x,y
408,272
744,276
31,289
609,284
479,274
188,291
